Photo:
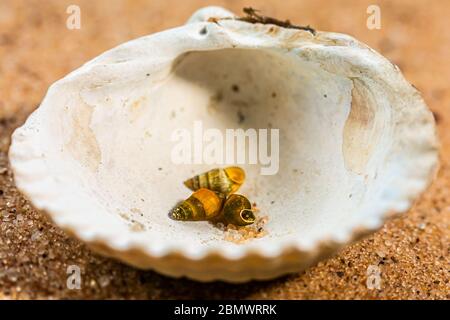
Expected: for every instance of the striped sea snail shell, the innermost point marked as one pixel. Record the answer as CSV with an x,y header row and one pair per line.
x,y
202,205
222,180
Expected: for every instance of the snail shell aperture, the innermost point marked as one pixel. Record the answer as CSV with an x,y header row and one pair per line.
x,y
237,210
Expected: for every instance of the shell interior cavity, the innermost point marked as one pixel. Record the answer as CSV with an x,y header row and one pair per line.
x,y
356,143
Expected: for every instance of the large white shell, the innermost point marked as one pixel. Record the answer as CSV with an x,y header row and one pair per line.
x,y
357,142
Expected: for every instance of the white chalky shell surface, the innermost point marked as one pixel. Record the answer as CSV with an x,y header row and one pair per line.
x,y
357,143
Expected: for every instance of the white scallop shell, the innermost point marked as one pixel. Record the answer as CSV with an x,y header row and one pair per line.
x,y
357,143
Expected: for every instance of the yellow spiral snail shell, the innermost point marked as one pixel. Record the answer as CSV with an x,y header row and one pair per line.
x,y
237,210
202,205
222,180
214,199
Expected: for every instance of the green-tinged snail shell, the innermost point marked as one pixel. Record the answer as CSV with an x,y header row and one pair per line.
x,y
202,205
225,181
237,210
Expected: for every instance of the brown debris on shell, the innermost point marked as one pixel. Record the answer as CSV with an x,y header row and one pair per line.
x,y
252,16
243,234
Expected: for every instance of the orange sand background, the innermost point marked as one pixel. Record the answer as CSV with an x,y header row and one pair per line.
x,y
36,49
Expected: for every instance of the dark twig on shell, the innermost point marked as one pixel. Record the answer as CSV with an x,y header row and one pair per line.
x,y
252,16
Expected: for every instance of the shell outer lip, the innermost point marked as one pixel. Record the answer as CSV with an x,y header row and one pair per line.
x,y
34,180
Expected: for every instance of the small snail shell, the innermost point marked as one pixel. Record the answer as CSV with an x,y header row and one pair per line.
x,y
237,210
202,205
225,181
